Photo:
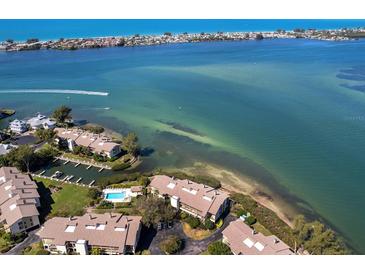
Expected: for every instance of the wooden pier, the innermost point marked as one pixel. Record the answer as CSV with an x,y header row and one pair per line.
x,y
92,182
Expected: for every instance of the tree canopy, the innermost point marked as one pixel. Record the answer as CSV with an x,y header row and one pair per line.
x,y
316,238
155,210
62,114
171,245
130,143
45,134
21,157
26,159
219,248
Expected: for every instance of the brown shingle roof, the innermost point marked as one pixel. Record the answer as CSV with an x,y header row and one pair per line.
x,y
118,231
244,240
64,133
97,142
203,198
18,195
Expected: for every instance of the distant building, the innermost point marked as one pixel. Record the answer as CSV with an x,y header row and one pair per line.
x,y
6,148
195,199
97,143
110,233
41,121
18,126
243,240
19,200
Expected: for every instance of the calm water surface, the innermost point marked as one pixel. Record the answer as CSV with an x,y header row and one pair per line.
x,y
288,113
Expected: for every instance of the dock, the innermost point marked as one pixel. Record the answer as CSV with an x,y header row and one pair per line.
x,y
89,164
77,164
100,170
92,182
42,172
78,180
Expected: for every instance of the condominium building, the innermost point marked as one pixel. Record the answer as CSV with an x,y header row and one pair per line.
x,y
199,200
243,240
108,233
97,143
19,200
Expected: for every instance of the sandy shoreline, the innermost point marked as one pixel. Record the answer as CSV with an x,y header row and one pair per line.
x,y
233,182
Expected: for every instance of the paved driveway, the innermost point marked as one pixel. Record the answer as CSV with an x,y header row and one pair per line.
x,y
191,247
31,239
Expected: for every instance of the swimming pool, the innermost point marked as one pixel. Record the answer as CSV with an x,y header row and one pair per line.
x,y
117,195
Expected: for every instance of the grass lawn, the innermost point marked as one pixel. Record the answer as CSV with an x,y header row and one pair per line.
x,y
47,182
70,201
260,228
35,249
197,233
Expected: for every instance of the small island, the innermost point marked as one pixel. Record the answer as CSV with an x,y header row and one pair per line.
x,y
170,38
4,113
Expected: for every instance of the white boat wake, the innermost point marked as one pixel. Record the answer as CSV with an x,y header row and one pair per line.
x,y
57,91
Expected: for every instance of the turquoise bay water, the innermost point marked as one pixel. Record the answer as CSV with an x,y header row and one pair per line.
x,y
288,113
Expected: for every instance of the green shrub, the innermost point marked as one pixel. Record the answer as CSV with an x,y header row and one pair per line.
x,y
193,221
201,179
240,212
183,215
120,166
266,217
171,245
250,220
122,205
219,248
99,158
105,205
118,178
208,224
93,193
94,129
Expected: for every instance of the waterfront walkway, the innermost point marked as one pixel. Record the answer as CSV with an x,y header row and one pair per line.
x,y
91,184
84,162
